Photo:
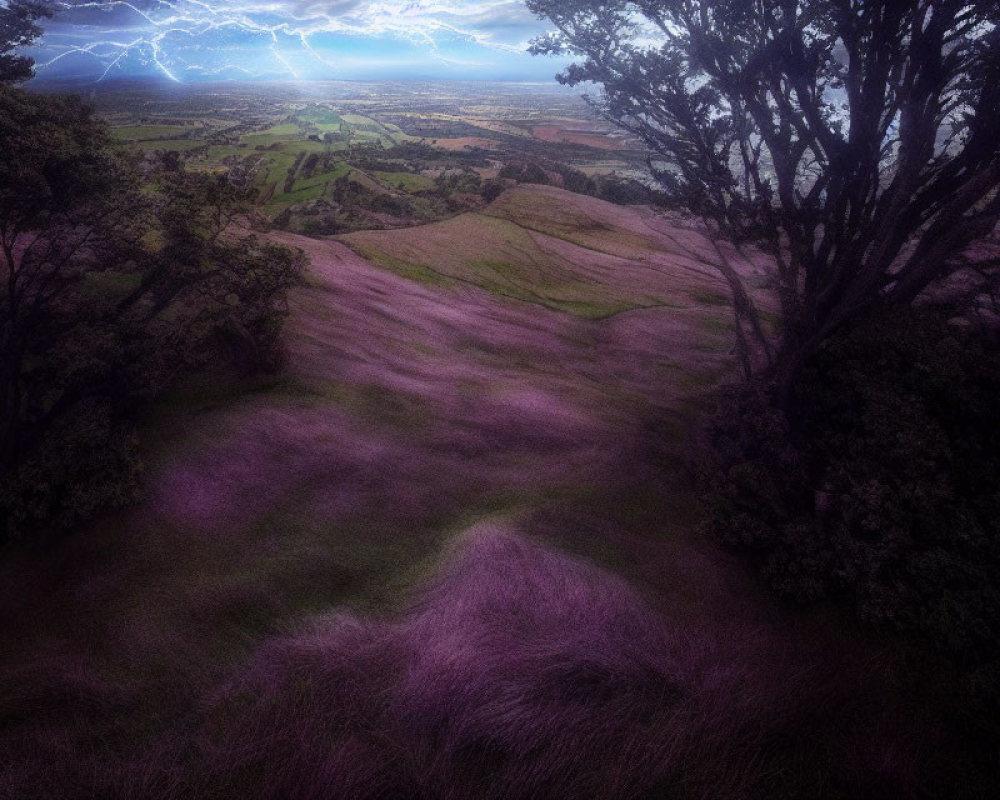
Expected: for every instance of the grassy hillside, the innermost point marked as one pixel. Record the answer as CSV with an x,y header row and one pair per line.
x,y
451,551
559,250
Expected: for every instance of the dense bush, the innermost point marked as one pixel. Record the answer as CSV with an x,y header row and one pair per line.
x,y
420,156
574,180
391,204
528,172
881,487
457,181
626,191
491,190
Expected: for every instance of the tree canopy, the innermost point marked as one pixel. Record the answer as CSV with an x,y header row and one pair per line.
x,y
112,284
19,28
116,276
857,141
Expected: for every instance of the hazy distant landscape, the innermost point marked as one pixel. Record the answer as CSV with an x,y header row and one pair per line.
x,y
403,153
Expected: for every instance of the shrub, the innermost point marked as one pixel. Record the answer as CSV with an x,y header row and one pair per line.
x,y
491,190
524,173
880,488
85,463
625,191
575,181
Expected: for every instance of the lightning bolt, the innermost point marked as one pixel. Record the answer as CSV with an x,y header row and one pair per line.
x,y
159,33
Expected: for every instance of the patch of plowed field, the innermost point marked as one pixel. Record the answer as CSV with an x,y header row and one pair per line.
x,y
571,135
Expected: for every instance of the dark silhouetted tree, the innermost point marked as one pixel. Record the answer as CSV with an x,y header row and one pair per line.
x,y
109,289
859,142
19,28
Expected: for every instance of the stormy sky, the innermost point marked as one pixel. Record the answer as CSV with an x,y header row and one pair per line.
x,y
193,40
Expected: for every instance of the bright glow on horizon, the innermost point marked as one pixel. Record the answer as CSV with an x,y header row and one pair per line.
x,y
188,40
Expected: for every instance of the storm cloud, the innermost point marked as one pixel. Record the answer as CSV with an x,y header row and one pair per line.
x,y
186,40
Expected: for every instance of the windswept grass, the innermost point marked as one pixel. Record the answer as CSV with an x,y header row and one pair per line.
x,y
148,132
519,672
496,255
449,553
536,209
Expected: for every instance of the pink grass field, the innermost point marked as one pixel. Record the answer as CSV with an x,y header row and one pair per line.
x,y
451,552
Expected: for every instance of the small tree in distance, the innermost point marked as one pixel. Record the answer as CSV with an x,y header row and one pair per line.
x,y
856,141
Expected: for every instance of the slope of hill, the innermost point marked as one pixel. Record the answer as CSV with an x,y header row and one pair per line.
x,y
450,552
560,250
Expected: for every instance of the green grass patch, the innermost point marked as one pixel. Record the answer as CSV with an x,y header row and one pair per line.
x,y
538,211
496,255
406,181
301,193
359,120
371,136
717,324
147,132
321,117
218,152
268,139
398,135
412,270
284,129
594,309
377,405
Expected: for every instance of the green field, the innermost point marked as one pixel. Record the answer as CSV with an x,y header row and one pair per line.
x,y
147,132
180,145
537,212
284,135
407,181
358,119
285,129
320,116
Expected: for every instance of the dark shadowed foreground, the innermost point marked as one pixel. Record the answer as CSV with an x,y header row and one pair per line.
x,y
451,553
522,672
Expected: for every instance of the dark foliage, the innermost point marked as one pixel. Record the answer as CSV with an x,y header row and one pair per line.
x,y
391,204
454,187
884,490
491,190
111,289
463,181
857,142
625,191
309,166
293,172
420,156
19,28
573,179
527,172
371,164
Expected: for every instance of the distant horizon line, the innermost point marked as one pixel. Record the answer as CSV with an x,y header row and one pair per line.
x,y
41,80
